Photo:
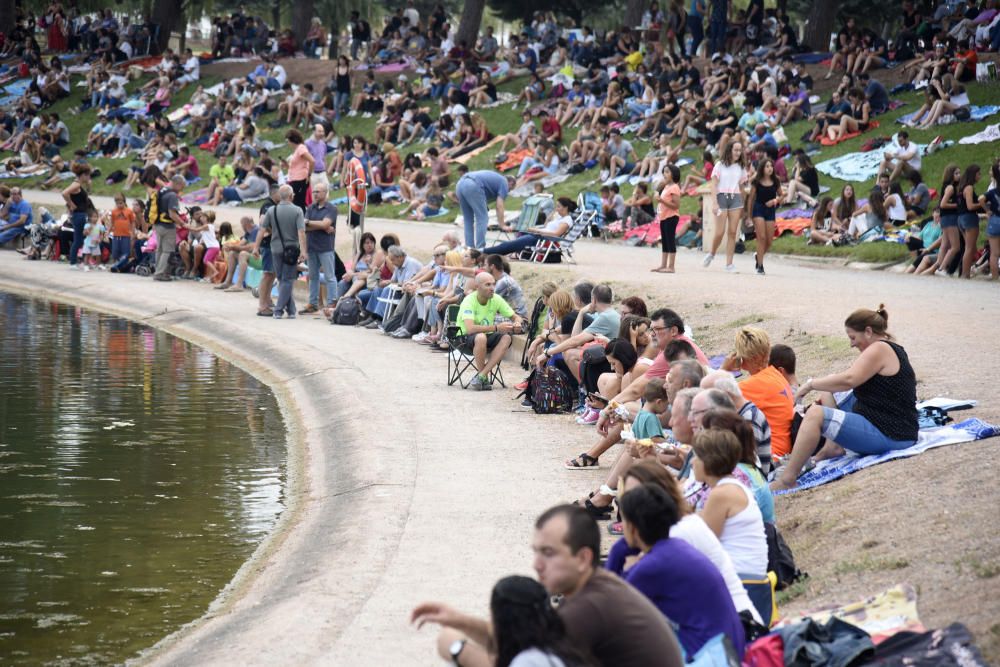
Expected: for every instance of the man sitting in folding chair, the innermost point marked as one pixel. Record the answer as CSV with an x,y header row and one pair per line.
x,y
556,227
404,269
482,335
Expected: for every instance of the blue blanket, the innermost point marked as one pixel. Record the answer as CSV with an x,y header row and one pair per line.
x,y
952,434
977,112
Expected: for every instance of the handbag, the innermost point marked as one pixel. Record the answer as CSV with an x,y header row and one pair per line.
x,y
289,253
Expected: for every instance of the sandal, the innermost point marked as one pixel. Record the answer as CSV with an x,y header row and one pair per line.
x,y
582,462
599,513
310,309
265,313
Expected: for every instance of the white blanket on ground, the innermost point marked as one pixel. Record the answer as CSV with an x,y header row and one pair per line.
x,y
991,133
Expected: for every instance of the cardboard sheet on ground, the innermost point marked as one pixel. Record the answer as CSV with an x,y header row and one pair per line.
x,y
881,615
968,430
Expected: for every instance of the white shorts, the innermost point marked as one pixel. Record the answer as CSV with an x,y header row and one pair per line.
x,y
319,177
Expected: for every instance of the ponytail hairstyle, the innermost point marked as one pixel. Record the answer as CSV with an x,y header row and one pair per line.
x,y
949,177
877,320
876,202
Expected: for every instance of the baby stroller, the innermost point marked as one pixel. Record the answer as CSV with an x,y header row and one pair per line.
x,y
43,234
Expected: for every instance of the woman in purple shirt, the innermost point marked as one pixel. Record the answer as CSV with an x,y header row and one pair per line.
x,y
681,581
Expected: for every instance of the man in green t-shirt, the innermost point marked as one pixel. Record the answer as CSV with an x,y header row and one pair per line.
x,y
220,176
477,322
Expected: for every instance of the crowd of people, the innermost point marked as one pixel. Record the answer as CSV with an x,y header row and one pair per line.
x,y
697,451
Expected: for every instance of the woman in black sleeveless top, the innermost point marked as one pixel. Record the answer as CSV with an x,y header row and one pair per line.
x,y
880,414
78,204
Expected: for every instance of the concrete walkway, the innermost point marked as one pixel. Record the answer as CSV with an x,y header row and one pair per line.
x,y
403,489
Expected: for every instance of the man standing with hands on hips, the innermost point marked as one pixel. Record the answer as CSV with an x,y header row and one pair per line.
x,y
475,190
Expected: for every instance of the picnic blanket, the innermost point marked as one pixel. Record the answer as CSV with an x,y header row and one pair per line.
x,y
465,157
858,166
528,189
826,141
794,213
514,159
649,234
14,90
195,197
991,133
811,58
441,211
977,112
794,225
929,438
881,615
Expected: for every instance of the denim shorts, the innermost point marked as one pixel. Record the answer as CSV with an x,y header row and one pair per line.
x,y
949,220
968,221
761,211
729,200
993,226
854,432
266,261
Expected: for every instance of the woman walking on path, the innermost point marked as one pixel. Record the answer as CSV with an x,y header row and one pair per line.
x,y
667,215
765,195
728,179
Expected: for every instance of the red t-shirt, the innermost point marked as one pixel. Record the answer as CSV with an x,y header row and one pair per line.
x,y
552,127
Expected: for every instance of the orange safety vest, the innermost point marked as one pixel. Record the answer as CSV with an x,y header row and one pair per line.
x,y
357,186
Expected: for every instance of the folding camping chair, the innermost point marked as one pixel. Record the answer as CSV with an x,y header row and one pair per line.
x,y
391,299
460,357
532,207
546,246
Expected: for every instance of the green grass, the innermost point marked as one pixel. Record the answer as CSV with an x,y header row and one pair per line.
x,y
796,590
870,564
502,119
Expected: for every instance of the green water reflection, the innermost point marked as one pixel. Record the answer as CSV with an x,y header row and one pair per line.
x,y
137,472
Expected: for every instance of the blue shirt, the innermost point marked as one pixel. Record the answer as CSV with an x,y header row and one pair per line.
x,y
494,185
686,587
15,211
878,96
646,425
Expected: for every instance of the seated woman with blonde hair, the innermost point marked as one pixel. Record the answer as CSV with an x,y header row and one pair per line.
x,y
878,413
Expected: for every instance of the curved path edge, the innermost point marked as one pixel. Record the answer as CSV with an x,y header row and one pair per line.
x,y
291,596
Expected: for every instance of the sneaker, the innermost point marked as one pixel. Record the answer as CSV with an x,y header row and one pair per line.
x,y
760,269
521,386
941,272
589,418
476,384
708,260
604,175
730,268
74,267
400,333
420,337
487,385
527,403
86,268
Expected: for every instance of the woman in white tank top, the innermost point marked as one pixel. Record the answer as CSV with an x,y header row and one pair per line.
x,y
730,511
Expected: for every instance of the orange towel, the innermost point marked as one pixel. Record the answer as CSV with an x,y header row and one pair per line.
x,y
850,135
514,159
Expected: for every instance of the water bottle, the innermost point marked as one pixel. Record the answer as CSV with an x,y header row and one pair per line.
x,y
689,45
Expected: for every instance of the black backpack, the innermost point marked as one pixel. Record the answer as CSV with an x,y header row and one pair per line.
x,y
347,312
549,391
780,559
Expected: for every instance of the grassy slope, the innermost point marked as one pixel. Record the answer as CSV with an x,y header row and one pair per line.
x,y
502,119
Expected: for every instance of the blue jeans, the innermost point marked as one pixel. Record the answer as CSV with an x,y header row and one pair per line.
x,y
696,26
11,234
79,220
120,247
341,103
326,262
286,275
472,199
854,432
135,141
516,245
124,265
373,305
716,36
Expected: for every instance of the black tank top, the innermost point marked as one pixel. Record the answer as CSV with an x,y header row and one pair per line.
x,y
344,81
889,401
766,193
81,201
960,205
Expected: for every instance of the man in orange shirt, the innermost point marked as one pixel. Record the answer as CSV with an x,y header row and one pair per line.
x,y
766,387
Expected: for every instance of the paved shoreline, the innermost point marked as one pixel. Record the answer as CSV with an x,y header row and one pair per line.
x,y
391,499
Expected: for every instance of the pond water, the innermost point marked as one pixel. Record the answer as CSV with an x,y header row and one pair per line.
x,y
137,473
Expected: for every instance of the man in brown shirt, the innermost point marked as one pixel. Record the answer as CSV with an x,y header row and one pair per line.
x,y
603,614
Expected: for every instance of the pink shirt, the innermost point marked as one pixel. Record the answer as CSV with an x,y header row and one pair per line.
x,y
661,366
298,164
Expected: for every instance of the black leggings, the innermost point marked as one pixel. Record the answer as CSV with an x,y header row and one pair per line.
x,y
668,234
299,193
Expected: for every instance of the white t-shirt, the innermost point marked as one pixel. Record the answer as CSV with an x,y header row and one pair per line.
x,y
208,238
192,67
412,14
553,225
693,530
534,657
279,74
729,177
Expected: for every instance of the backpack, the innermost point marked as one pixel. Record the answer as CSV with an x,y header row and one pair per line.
x,y
780,559
155,213
549,391
347,312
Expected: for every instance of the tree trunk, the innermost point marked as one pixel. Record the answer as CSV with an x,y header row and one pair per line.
x,y
6,16
276,17
468,27
820,24
166,14
633,13
182,42
302,13
334,41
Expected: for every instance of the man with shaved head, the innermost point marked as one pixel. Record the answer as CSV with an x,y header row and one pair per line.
x,y
483,335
